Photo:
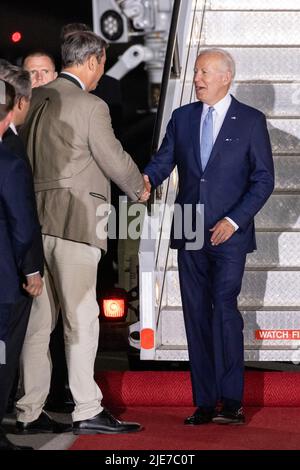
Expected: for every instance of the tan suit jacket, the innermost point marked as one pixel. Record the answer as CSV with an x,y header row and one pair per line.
x,y
74,155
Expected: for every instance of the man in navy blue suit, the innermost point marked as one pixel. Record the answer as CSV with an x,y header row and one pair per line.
x,y
223,155
18,224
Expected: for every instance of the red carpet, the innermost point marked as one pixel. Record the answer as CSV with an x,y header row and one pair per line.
x,y
161,401
266,429
174,388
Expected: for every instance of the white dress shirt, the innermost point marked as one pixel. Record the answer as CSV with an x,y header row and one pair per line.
x,y
76,78
219,113
13,128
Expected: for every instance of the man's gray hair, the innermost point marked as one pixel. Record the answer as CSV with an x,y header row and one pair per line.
x,y
226,58
18,78
79,46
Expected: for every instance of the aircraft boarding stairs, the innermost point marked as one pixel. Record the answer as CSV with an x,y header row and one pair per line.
x,y
264,38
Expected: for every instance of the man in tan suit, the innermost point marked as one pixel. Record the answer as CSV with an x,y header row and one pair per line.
x,y
74,154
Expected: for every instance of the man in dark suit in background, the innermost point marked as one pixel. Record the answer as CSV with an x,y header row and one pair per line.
x,y
33,263
18,227
32,267
222,151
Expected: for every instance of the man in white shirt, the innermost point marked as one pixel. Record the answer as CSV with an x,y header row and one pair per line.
x,y
223,155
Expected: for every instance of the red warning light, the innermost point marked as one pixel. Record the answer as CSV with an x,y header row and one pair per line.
x,y
16,37
114,308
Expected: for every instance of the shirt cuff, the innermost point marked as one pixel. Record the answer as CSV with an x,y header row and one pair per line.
x,y
236,227
32,274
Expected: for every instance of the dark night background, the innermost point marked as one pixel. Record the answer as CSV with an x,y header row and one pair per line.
x,y
40,25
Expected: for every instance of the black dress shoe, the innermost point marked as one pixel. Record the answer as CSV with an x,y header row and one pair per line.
x,y
230,416
44,424
5,444
202,415
104,423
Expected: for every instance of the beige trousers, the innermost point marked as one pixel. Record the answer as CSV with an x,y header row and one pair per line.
x,y
70,285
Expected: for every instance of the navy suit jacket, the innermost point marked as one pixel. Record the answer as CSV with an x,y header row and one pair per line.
x,y
238,178
18,222
34,259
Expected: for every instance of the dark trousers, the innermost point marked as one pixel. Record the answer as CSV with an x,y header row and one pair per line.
x,y
18,321
5,316
210,282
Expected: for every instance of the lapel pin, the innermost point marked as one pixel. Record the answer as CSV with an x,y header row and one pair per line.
x,y
233,117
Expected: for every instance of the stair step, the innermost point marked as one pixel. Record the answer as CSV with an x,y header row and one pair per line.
x,y
284,135
271,289
281,212
177,353
252,5
250,28
273,99
287,171
275,250
173,329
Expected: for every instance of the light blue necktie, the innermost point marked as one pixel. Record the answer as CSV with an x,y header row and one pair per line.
x,y
207,137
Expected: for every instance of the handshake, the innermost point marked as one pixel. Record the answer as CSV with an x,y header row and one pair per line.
x,y
147,190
